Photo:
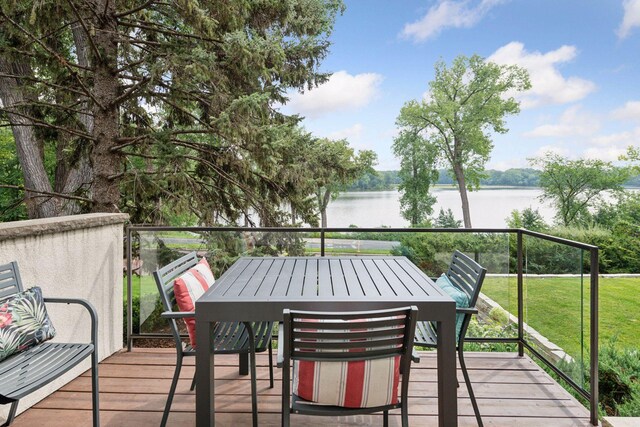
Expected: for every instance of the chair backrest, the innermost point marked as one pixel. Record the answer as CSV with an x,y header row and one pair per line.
x,y
466,275
350,337
10,282
164,278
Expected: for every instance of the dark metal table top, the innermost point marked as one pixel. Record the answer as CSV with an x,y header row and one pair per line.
x,y
314,283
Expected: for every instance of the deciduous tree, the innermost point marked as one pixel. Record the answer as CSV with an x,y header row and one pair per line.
x,y
334,165
576,186
464,104
417,174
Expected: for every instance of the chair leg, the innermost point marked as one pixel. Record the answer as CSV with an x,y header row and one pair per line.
x,y
12,414
193,383
95,391
270,367
385,418
468,382
405,413
252,366
172,390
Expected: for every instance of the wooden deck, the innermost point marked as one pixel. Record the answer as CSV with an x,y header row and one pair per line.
x,y
511,391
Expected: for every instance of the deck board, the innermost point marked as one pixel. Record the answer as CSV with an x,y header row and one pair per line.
x,y
133,386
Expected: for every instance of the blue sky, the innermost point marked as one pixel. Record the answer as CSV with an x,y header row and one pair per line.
x,y
583,58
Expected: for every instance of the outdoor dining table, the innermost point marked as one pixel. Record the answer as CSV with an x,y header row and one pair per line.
x,y
259,289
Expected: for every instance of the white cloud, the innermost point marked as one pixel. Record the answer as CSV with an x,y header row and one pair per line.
x,y
342,92
448,13
548,85
607,154
351,134
621,139
573,122
630,111
631,18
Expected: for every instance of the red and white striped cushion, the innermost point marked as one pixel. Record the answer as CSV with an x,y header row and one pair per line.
x,y
356,384
188,288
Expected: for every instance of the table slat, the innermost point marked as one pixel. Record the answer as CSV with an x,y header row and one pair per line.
x,y
366,282
311,278
351,278
337,278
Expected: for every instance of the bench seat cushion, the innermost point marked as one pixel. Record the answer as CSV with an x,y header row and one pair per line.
x,y
190,286
24,322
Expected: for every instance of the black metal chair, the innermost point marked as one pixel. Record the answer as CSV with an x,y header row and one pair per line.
x,y
244,339
25,372
467,276
332,338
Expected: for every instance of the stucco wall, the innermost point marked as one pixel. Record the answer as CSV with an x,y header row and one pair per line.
x,y
76,256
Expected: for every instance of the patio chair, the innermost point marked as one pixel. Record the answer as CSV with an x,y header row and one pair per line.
x,y
346,363
462,282
242,338
39,362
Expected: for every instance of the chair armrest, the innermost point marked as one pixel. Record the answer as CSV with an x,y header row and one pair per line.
x,y
470,310
89,307
280,353
177,314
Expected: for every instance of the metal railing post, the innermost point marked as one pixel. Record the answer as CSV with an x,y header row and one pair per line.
x,y
129,293
322,242
520,267
594,336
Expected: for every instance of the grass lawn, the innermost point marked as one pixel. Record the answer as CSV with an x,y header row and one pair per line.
x,y
553,308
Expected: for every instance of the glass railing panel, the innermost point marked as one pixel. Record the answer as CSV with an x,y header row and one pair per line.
x,y
557,305
431,251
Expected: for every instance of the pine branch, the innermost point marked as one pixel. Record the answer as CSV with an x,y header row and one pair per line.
x,y
46,193
86,30
135,9
42,123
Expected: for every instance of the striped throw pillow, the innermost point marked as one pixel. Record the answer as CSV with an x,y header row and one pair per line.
x,y
188,288
354,384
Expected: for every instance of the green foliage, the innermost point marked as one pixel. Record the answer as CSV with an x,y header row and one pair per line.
x,y
467,101
334,165
528,218
376,181
152,323
512,177
11,206
576,186
493,327
431,252
619,380
445,219
417,174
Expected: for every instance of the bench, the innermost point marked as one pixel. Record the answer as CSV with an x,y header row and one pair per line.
x,y
25,372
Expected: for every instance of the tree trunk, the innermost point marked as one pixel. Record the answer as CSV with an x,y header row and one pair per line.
x,y
72,177
106,163
462,187
29,149
324,195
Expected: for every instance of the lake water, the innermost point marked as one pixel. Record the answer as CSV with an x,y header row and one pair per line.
x,y
490,207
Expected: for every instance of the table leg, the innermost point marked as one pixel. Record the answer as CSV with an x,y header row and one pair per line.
x,y
205,389
243,364
447,390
